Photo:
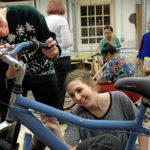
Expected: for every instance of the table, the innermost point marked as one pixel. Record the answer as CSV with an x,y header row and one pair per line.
x,y
80,60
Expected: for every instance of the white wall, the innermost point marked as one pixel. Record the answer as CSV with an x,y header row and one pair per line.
x,y
41,6
123,9
125,29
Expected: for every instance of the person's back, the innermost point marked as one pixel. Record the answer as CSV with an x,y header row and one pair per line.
x,y
58,24
117,66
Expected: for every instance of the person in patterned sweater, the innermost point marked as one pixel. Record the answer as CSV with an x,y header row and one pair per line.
x,y
24,23
117,66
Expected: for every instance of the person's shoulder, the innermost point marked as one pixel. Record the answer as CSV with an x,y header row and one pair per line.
x,y
118,95
63,20
115,37
146,34
103,40
117,58
115,93
57,18
25,7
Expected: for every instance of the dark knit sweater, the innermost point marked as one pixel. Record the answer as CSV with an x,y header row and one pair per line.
x,y
25,24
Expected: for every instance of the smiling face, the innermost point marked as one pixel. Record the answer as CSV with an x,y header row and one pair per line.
x,y
108,34
4,30
81,93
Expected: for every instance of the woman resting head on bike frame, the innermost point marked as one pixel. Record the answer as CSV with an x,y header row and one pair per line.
x,y
93,105
40,77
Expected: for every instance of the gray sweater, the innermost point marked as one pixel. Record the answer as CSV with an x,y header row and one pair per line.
x,y
121,108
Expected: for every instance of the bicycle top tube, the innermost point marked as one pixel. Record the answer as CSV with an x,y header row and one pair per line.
x,y
140,85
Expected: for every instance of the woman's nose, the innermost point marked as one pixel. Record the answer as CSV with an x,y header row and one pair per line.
x,y
77,96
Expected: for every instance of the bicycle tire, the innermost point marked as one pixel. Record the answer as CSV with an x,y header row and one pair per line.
x,y
4,145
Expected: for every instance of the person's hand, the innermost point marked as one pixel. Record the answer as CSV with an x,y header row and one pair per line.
x,y
138,61
4,45
52,51
53,125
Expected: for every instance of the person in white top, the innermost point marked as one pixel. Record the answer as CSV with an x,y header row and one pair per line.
x,y
59,25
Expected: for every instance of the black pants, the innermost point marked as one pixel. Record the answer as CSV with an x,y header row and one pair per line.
x,y
5,94
4,97
46,93
62,66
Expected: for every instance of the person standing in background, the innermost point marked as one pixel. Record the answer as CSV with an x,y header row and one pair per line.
x,y
109,38
59,25
144,50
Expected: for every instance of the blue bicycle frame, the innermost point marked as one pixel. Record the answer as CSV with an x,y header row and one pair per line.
x,y
20,107
21,113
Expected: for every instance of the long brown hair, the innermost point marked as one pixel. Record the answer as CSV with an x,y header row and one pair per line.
x,y
55,7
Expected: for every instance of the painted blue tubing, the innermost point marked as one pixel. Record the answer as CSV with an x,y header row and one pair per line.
x,y
18,48
40,130
82,122
50,139
27,141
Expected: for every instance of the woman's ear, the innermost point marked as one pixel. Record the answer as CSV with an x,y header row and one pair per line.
x,y
92,84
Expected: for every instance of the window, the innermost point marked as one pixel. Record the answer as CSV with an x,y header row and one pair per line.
x,y
93,20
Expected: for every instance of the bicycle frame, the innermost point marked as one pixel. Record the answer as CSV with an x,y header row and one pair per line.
x,y
19,111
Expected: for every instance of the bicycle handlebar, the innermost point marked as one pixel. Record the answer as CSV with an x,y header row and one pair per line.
x,y
30,45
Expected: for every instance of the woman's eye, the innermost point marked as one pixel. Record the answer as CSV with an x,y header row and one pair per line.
x,y
71,95
79,90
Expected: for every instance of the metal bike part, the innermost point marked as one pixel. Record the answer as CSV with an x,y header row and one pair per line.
x,y
5,125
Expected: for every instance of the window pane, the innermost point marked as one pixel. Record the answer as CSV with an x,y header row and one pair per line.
x,y
91,10
84,32
83,11
92,32
98,40
83,21
99,31
99,10
91,21
98,20
106,20
106,9
84,41
92,40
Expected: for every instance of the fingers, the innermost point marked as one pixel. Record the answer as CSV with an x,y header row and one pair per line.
x,y
5,45
52,51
